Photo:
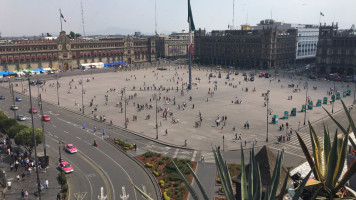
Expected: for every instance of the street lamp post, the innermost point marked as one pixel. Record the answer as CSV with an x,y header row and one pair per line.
x,y
13,98
156,119
58,89
42,124
269,111
125,108
223,143
306,101
34,142
332,108
82,97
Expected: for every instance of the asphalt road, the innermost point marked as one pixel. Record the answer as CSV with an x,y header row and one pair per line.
x,y
94,167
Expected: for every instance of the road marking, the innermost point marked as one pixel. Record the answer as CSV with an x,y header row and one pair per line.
x,y
78,137
287,152
47,145
100,173
55,136
80,195
66,131
54,125
176,153
124,196
194,154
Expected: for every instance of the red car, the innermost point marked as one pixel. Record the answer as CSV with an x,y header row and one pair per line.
x,y
66,167
34,111
46,118
70,148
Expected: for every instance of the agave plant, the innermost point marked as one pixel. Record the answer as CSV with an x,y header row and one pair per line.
x,y
328,159
249,190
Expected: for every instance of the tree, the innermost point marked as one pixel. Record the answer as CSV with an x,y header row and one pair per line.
x,y
73,35
25,139
6,123
49,35
11,132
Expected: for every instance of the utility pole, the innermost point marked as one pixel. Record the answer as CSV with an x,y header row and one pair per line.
x,y
42,124
82,97
156,120
58,89
332,109
306,101
125,108
13,98
34,143
268,112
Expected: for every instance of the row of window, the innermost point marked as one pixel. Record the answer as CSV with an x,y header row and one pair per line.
x,y
27,48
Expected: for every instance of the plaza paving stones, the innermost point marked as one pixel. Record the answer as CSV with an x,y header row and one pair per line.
x,y
220,104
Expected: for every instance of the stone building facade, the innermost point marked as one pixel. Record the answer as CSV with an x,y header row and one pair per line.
x,y
266,48
174,46
336,51
64,53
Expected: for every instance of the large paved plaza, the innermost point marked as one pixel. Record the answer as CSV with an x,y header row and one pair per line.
x,y
140,89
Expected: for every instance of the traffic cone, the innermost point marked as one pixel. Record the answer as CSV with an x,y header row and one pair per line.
x,y
84,126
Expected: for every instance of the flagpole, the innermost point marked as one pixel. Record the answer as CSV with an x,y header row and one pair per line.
x,y
190,57
319,18
60,18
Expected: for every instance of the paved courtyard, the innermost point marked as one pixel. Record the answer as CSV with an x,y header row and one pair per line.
x,y
140,89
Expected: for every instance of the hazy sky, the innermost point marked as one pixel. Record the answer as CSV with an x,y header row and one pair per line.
x,y
33,17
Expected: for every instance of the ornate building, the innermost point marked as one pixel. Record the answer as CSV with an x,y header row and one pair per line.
x,y
266,48
64,53
173,46
336,50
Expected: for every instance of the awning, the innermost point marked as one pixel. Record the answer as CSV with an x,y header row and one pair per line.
x,y
114,63
37,70
6,73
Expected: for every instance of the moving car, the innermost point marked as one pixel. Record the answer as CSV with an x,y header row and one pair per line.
x,y
14,107
34,111
2,97
46,118
66,167
21,117
18,99
70,148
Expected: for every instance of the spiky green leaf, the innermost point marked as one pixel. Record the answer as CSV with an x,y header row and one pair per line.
x,y
201,188
308,156
300,189
283,189
186,182
349,173
326,148
332,162
244,195
341,158
141,192
316,151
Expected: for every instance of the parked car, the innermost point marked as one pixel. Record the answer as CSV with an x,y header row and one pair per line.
x,y
14,107
252,78
21,117
2,97
66,167
46,118
70,148
34,111
18,99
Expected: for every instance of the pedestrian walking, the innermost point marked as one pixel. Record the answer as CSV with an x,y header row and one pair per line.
x,y
18,177
46,183
166,132
11,167
22,194
26,194
245,142
58,196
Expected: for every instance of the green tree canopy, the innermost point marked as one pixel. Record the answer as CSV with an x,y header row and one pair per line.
x,y
6,123
13,130
73,35
25,139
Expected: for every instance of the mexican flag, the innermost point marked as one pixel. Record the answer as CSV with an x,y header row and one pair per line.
x,y
190,18
63,18
191,28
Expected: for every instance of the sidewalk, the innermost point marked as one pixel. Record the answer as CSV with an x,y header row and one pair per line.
x,y
30,181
